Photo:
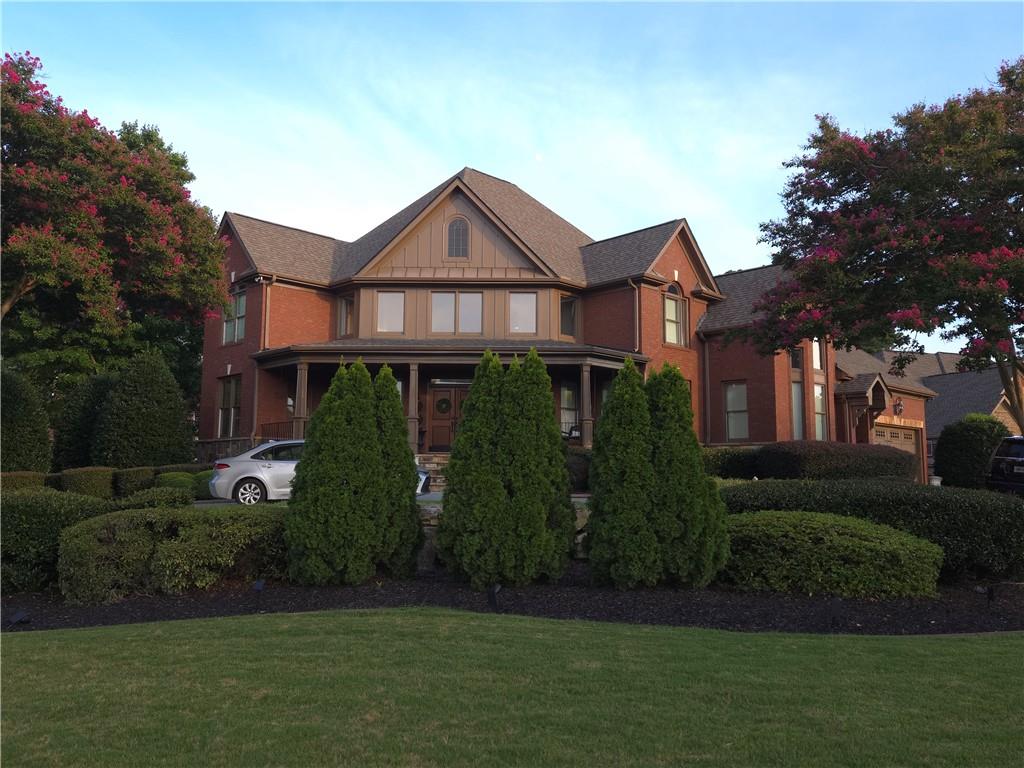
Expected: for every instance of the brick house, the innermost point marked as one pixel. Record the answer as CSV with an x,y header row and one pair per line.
x,y
477,263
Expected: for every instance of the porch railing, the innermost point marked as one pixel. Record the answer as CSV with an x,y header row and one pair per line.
x,y
283,430
571,430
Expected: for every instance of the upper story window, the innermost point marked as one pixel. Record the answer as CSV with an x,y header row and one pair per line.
x,y
820,419
676,331
567,306
346,316
458,239
234,319
818,354
456,312
796,358
471,313
736,417
522,312
390,312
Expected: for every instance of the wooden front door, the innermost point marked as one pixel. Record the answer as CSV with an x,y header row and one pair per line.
x,y
445,415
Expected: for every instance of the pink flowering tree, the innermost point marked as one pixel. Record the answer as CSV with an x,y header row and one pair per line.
x,y
910,230
104,252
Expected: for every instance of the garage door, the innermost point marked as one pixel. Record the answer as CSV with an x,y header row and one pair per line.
x,y
904,439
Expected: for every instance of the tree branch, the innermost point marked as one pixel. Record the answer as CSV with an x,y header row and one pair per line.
x,y
23,287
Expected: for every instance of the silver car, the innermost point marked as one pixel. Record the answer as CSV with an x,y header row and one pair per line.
x,y
265,473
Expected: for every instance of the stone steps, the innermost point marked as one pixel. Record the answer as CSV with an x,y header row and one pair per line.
x,y
435,464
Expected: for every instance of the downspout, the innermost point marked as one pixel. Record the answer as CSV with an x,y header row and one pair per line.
x,y
705,381
636,314
265,326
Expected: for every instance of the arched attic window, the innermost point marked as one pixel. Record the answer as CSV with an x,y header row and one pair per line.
x,y
676,315
458,239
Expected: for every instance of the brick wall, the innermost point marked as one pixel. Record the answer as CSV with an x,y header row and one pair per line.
x,y
299,316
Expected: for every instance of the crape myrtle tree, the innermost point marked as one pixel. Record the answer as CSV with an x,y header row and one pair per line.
x,y
912,229
104,252
25,437
76,425
687,514
401,533
622,544
334,521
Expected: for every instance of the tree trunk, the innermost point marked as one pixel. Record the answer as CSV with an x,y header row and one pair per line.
x,y
23,286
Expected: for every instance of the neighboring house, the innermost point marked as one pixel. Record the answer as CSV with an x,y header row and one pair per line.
x,y
477,263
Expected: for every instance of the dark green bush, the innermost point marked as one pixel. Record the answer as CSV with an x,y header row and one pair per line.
x,y
201,484
980,532
32,522
91,481
128,481
190,468
965,448
154,497
175,480
53,480
578,462
16,481
730,462
24,425
814,553
819,460
167,551
76,427
142,422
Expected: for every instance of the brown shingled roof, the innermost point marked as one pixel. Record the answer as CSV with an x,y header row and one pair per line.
x,y
626,255
286,251
857,362
742,289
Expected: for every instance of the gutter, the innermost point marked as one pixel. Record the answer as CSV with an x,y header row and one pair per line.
x,y
636,314
705,380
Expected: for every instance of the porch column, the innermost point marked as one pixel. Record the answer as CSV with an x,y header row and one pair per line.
x,y
413,411
587,417
301,392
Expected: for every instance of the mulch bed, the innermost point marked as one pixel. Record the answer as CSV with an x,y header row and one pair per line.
x,y
964,608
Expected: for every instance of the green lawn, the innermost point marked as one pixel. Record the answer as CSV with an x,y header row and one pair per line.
x,y
422,687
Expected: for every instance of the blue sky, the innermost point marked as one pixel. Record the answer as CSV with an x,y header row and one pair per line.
x,y
331,117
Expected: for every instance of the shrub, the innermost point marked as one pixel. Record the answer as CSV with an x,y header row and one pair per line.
x,y
686,512
16,481
154,497
621,543
76,429
91,481
334,522
175,480
128,481
142,422
578,463
965,448
167,550
402,530
190,468
24,426
53,480
815,553
818,460
201,484
981,532
32,522
730,462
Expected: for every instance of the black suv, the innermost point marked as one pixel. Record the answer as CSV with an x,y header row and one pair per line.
x,y
1006,472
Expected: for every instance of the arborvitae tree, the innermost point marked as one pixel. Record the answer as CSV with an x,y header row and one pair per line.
x,y
692,542
476,508
402,531
622,545
72,446
335,518
143,423
25,432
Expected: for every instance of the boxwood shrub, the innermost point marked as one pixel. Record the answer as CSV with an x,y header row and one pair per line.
x,y
91,481
981,532
190,468
174,480
819,460
128,481
154,497
730,462
965,448
201,484
16,481
815,553
168,550
53,480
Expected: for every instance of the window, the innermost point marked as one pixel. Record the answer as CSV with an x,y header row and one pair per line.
x,y
442,313
818,354
797,388
346,313
234,319
736,427
471,313
390,312
458,239
796,359
567,308
446,306
820,421
675,317
522,312
286,452
570,411
229,413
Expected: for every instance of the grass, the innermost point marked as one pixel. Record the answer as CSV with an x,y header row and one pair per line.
x,y
424,687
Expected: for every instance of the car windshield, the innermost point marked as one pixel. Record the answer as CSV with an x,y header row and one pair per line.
x,y
1011,449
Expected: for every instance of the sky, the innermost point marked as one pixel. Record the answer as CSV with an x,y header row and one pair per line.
x,y
331,117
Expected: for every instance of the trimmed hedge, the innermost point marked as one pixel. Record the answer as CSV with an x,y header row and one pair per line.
x,y
201,484
16,481
24,425
175,480
730,462
818,460
190,468
965,448
128,481
91,481
815,553
53,480
154,497
168,551
981,532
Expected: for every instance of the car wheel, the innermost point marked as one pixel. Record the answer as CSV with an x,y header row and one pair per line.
x,y
250,492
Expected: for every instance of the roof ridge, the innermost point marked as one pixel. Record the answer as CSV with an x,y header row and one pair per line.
x,y
748,269
284,226
633,232
490,175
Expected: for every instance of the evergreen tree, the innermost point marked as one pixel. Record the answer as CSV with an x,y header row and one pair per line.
x,y
692,542
25,435
143,423
476,507
402,532
334,521
76,430
623,547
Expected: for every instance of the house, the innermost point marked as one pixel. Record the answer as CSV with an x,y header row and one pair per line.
x,y
477,263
